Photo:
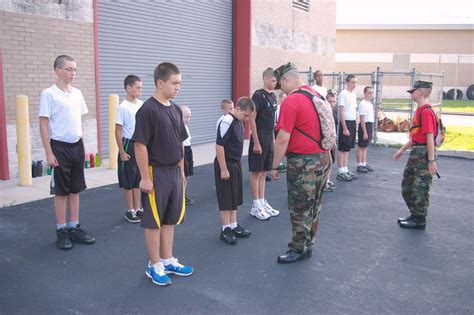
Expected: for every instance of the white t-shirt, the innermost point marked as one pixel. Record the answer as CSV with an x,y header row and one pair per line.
x,y
321,90
187,142
64,111
218,122
367,109
126,117
349,101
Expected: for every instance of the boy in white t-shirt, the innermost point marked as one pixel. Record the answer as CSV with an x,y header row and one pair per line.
x,y
347,102
226,107
318,86
188,153
365,112
128,173
61,108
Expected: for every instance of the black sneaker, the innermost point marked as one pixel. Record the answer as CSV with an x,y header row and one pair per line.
x,y
63,239
268,178
241,232
80,236
369,168
131,217
362,169
189,201
228,236
139,213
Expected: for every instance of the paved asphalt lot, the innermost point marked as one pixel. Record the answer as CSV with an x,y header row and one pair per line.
x,y
363,262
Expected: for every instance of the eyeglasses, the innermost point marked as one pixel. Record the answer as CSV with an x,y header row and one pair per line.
x,y
70,69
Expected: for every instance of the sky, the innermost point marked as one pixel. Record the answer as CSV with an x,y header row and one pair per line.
x,y
405,12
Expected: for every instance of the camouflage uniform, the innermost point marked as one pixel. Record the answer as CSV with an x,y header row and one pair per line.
x,y
417,181
306,177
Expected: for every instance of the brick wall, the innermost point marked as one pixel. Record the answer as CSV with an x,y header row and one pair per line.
x,y
30,43
281,33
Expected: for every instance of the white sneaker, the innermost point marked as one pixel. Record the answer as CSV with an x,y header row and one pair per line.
x,y
259,213
269,209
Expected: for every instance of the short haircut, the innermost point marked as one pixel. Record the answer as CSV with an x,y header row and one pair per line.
x,y
245,104
185,108
330,94
226,102
164,70
268,73
368,87
350,77
60,61
130,81
426,91
316,72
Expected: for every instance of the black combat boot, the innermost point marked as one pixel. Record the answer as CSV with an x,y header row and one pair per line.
x,y
414,223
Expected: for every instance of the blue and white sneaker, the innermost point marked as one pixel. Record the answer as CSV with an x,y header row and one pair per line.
x,y
157,274
178,269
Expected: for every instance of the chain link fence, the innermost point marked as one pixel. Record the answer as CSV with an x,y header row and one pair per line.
x,y
393,106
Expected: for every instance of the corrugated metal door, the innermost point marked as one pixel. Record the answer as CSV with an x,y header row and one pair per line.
x,y
195,35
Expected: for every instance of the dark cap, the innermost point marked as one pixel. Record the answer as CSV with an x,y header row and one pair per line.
x,y
420,85
281,71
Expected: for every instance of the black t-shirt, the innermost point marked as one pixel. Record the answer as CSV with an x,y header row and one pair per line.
x,y
265,104
161,129
230,135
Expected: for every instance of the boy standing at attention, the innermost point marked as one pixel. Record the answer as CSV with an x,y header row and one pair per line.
x,y
159,135
365,112
228,169
188,153
347,102
262,126
331,98
61,108
318,86
421,164
128,174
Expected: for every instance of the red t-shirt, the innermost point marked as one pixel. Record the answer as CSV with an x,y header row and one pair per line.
x,y
428,124
297,110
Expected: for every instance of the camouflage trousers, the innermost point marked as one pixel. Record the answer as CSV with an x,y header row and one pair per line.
x,y
306,177
417,181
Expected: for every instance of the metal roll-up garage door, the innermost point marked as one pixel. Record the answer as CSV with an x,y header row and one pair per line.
x,y
133,37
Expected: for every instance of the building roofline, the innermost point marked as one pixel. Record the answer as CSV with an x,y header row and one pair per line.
x,y
405,27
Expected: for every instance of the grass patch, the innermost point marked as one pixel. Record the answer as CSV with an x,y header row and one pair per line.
x,y
459,138
447,105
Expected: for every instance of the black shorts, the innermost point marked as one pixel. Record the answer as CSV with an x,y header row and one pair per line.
x,y
261,162
229,192
346,143
68,177
360,134
188,161
165,205
128,173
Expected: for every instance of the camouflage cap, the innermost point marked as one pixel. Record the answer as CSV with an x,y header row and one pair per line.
x,y
420,85
281,71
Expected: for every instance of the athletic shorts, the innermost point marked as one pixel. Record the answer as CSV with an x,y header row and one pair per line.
x,y
188,161
346,143
165,204
229,192
360,135
261,162
128,173
68,177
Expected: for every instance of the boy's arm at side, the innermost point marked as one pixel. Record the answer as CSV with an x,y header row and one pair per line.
x,y
181,163
220,154
141,155
362,125
44,132
402,150
432,167
345,131
281,144
118,138
257,148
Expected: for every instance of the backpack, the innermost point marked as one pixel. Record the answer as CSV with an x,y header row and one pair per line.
x,y
440,129
325,117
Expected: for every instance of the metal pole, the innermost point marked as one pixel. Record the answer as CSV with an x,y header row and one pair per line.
x,y
456,80
310,76
377,103
413,79
442,87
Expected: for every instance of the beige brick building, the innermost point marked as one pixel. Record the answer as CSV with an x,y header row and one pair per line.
x,y
282,32
427,48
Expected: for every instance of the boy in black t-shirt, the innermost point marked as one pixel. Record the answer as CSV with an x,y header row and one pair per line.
x,y
159,135
228,169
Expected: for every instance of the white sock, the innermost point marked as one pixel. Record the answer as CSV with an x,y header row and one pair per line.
x,y
364,164
360,164
262,202
132,210
225,226
256,203
341,170
346,169
167,261
233,225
